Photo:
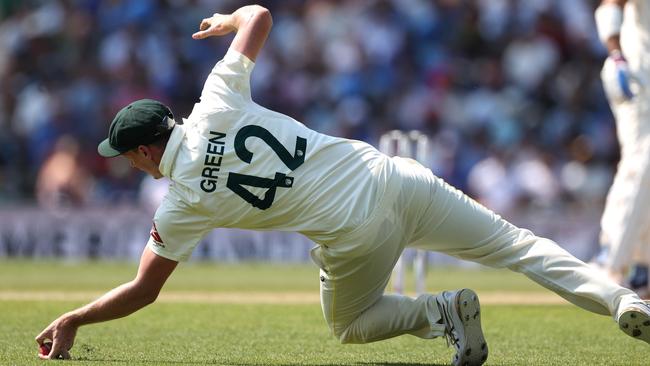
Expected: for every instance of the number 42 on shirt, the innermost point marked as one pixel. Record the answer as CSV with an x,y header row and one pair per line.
x,y
236,181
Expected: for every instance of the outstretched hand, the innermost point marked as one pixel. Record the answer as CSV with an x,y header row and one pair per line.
x,y
217,25
62,333
252,23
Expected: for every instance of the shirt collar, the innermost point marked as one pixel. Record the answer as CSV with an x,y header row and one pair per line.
x,y
171,150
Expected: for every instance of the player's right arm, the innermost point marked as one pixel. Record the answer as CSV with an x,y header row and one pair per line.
x,y
228,85
119,302
616,75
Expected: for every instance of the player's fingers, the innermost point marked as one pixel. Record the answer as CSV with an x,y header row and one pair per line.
x,y
43,336
65,354
39,339
201,34
214,30
46,357
56,350
205,24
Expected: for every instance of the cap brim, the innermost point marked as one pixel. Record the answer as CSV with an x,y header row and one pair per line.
x,y
104,149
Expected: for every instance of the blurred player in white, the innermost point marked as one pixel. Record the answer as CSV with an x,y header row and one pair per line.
x,y
624,28
234,163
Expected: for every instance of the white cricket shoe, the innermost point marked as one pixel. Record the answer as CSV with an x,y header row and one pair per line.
x,y
634,320
461,315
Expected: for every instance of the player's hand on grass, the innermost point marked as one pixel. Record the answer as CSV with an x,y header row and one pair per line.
x,y
61,333
217,25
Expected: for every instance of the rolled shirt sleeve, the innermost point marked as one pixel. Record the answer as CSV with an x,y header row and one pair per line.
x,y
176,230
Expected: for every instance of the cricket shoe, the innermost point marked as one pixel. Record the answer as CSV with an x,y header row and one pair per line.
x,y
634,320
461,315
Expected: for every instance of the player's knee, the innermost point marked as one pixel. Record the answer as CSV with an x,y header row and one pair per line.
x,y
338,332
346,339
350,335
347,329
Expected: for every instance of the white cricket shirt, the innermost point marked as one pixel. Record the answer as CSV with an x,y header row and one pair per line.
x,y
233,163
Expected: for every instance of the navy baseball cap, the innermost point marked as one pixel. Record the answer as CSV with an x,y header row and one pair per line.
x,y
139,123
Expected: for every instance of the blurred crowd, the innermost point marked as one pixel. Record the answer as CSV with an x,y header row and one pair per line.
x,y
507,90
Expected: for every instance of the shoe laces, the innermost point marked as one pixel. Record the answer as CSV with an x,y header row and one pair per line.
x,y
641,304
645,305
450,332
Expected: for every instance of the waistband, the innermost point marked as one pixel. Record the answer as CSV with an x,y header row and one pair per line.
x,y
359,241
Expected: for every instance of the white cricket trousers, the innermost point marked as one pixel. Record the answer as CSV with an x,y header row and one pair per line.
x,y
625,224
423,211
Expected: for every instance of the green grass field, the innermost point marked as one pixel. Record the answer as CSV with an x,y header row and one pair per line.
x,y
182,329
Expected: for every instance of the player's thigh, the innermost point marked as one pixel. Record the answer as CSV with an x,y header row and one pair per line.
x,y
455,224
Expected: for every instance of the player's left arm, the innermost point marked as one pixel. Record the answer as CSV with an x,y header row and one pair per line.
x,y
609,19
616,74
119,302
251,23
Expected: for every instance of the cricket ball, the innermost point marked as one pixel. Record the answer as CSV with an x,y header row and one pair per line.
x,y
45,348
